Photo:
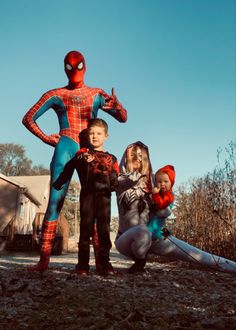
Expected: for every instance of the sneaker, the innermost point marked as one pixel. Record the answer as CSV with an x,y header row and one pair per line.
x,y
81,271
107,270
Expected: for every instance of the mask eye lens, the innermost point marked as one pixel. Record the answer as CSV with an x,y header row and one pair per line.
x,y
80,66
68,66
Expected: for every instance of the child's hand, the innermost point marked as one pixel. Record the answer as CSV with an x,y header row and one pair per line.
x,y
155,190
88,157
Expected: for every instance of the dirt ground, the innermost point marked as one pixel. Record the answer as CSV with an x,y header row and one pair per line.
x,y
169,295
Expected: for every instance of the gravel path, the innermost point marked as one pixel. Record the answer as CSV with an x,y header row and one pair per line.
x,y
170,295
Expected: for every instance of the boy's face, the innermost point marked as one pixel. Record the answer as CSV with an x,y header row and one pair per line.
x,y
163,181
97,136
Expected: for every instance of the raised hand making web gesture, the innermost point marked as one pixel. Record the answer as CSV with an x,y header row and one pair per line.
x,y
112,102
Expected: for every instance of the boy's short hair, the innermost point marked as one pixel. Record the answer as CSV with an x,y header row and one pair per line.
x,y
97,122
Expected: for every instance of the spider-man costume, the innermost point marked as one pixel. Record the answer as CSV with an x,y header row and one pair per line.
x,y
74,104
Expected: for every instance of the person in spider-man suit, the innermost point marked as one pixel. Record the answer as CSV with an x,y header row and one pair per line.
x,y
74,104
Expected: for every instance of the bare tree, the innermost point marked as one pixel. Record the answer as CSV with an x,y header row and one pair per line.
x,y
39,170
206,208
13,161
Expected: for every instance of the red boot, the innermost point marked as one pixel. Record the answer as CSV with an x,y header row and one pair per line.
x,y
42,265
48,235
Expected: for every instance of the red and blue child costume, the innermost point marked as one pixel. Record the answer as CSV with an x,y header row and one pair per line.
x,y
74,104
162,203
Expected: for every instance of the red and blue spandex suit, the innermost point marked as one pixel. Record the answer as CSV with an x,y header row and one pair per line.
x,y
74,104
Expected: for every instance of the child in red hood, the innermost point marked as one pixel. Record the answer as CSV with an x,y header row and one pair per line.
x,y
163,199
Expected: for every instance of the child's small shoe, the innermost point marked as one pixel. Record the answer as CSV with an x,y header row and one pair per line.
x,y
81,271
107,270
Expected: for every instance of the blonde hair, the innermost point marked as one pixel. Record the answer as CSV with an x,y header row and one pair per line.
x,y
138,153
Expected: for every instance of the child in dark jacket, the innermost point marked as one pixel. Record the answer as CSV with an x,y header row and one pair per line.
x,y
98,172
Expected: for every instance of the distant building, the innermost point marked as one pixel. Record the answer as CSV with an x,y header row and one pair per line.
x,y
39,187
23,200
23,204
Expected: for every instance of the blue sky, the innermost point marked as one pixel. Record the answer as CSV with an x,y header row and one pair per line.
x,y
171,62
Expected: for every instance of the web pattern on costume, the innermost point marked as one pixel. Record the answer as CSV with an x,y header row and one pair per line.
x,y
211,261
104,163
73,108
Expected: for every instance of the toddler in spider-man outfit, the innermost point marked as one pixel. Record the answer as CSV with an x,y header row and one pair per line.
x,y
98,172
163,199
